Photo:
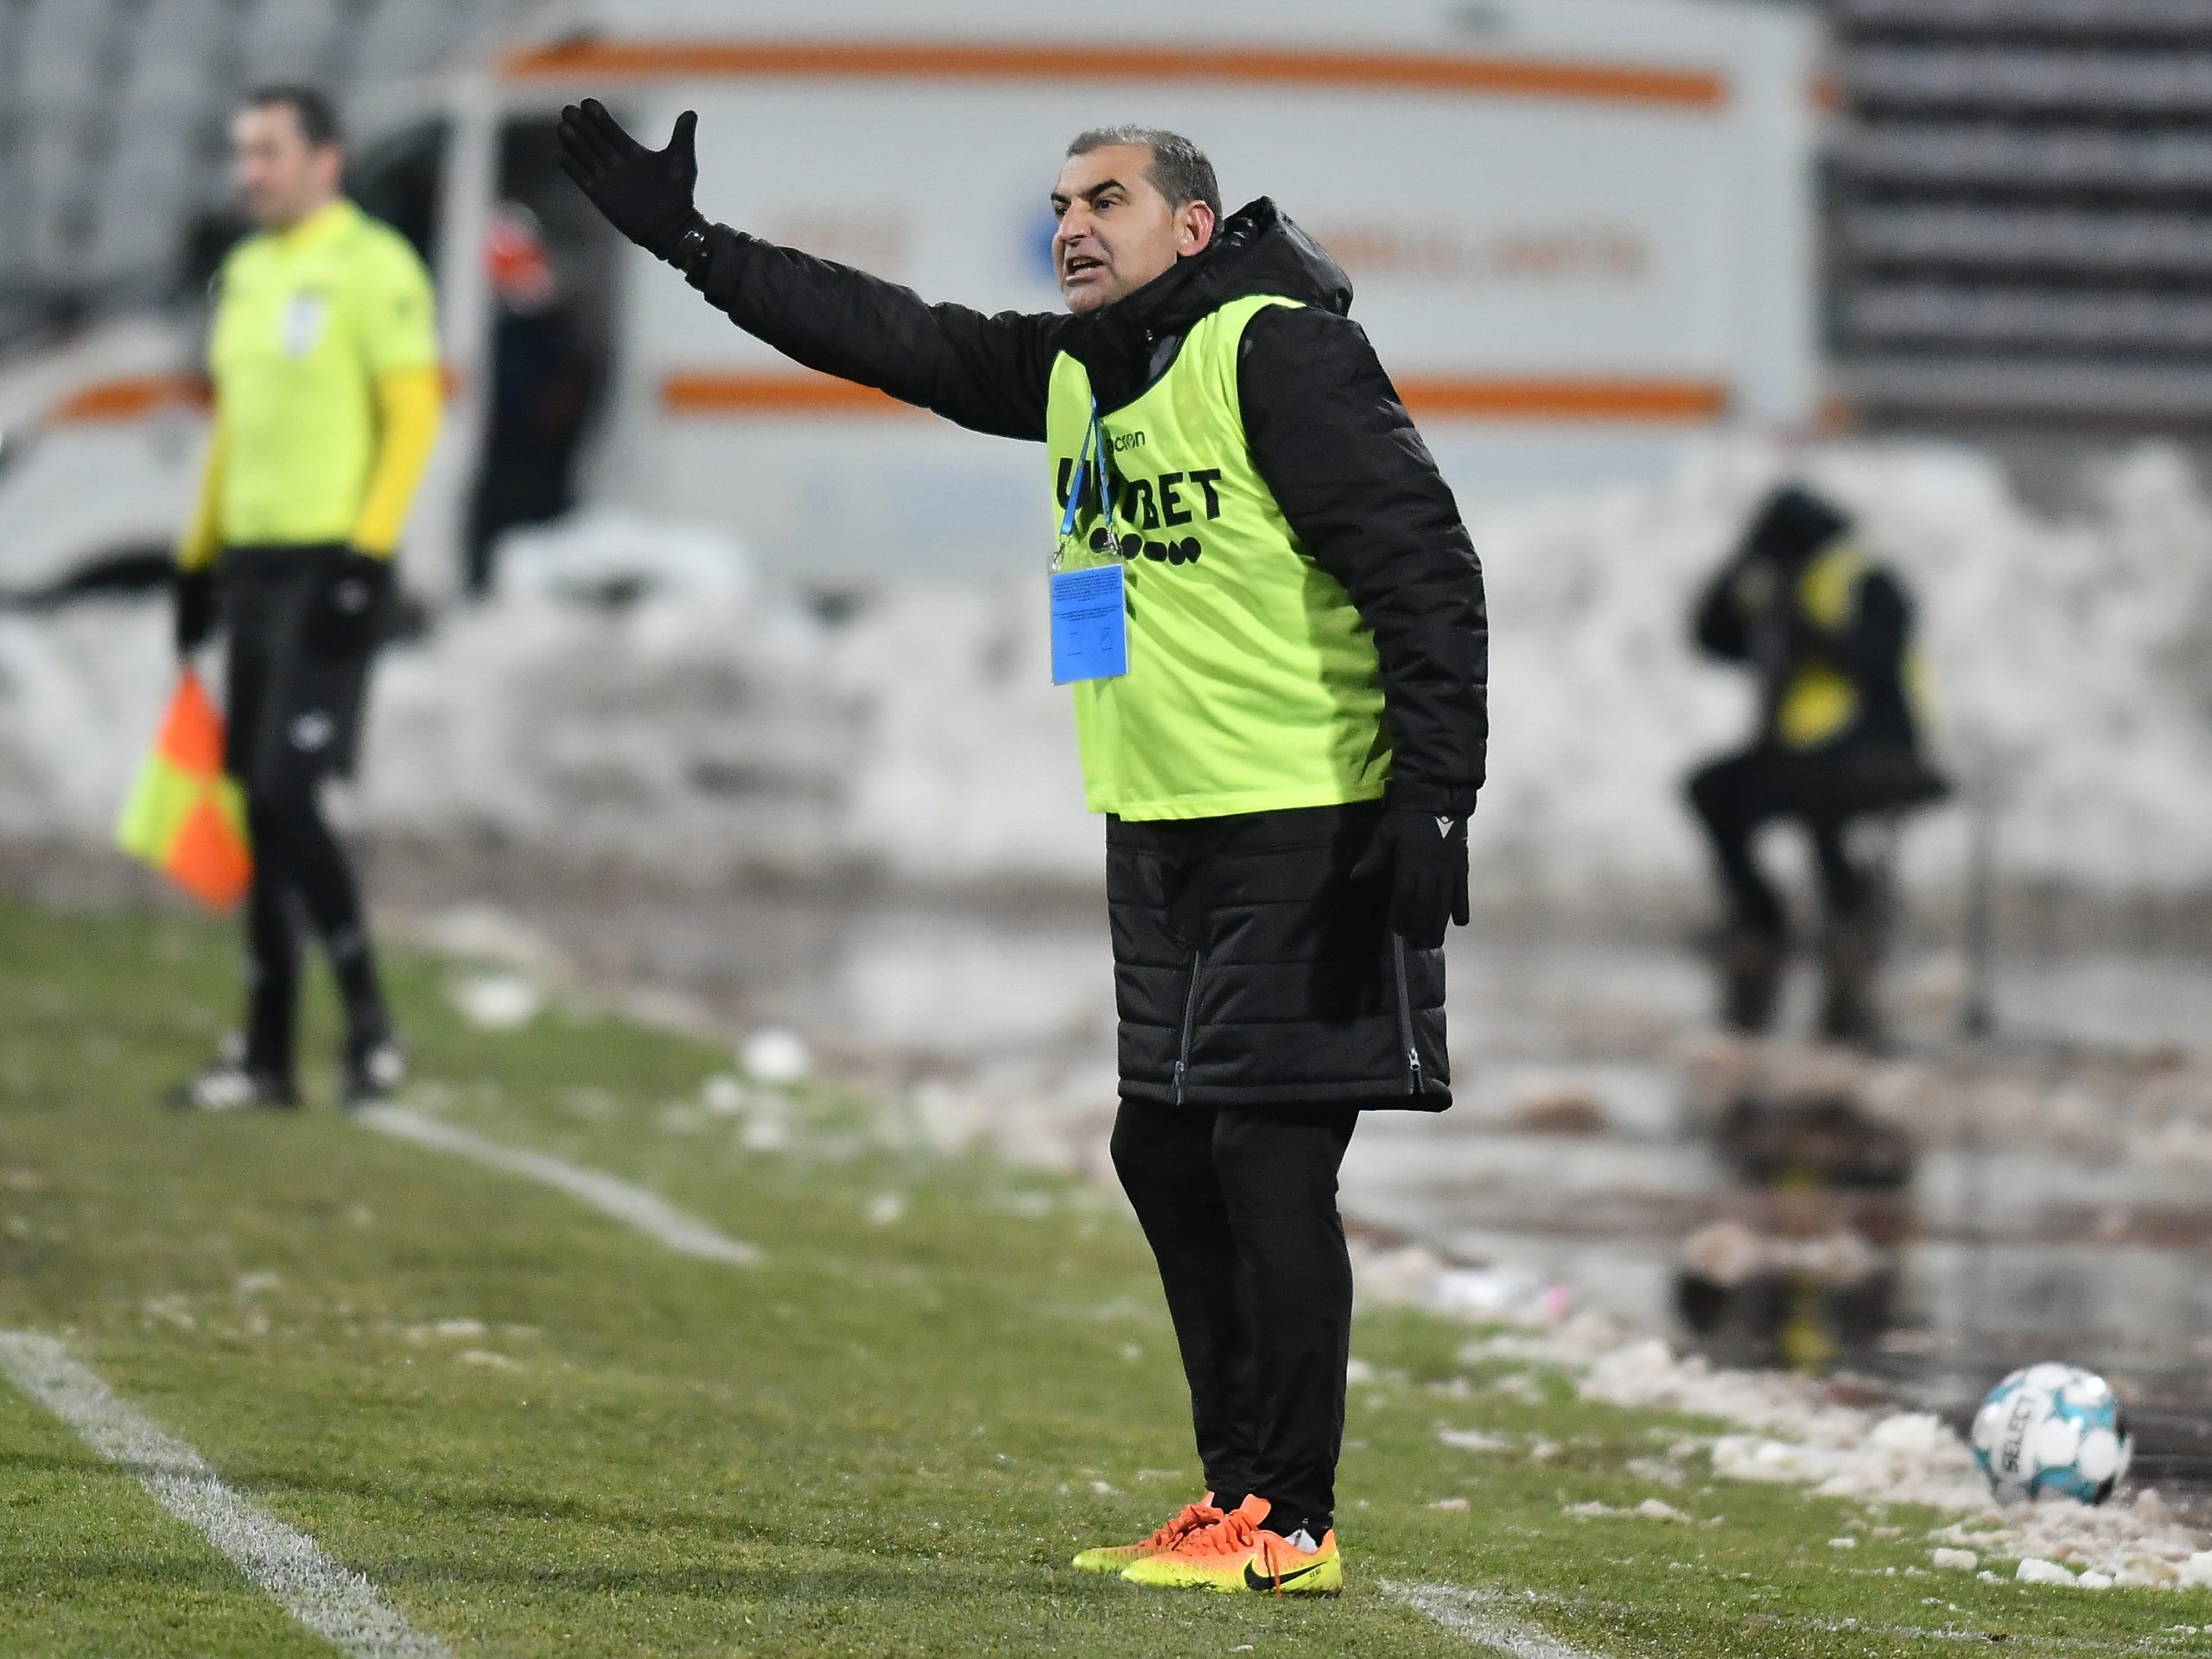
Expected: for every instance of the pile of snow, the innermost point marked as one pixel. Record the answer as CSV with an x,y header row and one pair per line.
x,y
1793,1433
1415,1276
81,691
610,557
1651,1509
775,1055
2136,1544
699,733
1799,1436
681,732
495,1000
635,695
2067,658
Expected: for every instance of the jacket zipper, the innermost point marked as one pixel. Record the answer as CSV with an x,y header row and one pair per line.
x,y
1413,1082
1189,1021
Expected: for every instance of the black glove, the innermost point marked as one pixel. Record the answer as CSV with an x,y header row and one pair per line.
x,y
1425,854
195,609
646,194
348,611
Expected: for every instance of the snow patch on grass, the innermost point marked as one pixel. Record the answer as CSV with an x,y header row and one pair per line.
x,y
495,1001
1651,1509
1414,1275
773,1055
885,1209
1802,1437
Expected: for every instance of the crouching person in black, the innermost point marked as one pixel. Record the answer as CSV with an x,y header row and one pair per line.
x,y
1829,635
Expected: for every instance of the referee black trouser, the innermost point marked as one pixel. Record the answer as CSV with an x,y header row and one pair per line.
x,y
1240,1208
294,702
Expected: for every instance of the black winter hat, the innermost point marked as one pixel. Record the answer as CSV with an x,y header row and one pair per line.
x,y
1793,525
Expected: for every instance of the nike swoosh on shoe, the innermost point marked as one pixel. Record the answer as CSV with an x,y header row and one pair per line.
x,y
1270,1580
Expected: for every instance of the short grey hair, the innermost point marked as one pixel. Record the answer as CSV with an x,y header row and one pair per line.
x,y
1179,169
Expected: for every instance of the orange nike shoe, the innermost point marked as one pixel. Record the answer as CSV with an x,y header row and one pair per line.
x,y
1112,1558
1236,1555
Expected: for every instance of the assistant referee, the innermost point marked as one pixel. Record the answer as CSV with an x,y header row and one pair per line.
x,y
1272,620
325,364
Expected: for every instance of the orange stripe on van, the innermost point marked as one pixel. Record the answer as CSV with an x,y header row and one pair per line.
x,y
1641,402
803,393
1088,64
1649,402
128,397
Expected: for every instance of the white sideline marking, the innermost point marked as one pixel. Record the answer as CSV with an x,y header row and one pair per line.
x,y
634,1206
336,1603
1473,1614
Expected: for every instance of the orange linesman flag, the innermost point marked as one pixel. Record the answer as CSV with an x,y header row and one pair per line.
x,y
185,816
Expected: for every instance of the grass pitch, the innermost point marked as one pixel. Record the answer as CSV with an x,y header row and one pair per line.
x,y
537,1431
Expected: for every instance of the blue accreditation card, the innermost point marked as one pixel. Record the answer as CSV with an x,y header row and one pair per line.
x,y
1090,624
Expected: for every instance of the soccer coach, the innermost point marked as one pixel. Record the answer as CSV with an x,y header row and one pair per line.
x,y
324,362
1274,622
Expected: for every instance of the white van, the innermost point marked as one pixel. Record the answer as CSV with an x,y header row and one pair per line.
x,y
1579,231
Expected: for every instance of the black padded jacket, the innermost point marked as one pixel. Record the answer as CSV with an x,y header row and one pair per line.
x,y
1327,432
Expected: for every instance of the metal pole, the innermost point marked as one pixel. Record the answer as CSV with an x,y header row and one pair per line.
x,y
1978,1018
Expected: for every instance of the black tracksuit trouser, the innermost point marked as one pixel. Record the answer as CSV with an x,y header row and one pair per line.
x,y
1240,1208
294,708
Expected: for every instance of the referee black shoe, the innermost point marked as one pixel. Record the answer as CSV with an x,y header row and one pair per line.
x,y
375,1068
231,1085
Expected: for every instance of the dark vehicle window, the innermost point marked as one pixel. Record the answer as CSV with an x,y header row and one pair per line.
x,y
400,178
584,247
550,260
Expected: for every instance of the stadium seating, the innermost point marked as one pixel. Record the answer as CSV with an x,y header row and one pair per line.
x,y
2018,202
2017,190
111,124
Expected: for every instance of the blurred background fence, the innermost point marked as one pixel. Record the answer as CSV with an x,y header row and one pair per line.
x,y
2015,213
114,122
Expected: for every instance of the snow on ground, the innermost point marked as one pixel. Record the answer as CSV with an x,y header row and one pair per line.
x,y
1794,1433
694,722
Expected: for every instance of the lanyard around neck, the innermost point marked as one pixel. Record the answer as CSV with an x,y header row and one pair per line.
x,y
1093,454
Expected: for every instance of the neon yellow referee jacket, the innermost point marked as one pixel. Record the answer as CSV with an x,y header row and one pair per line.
x,y
324,358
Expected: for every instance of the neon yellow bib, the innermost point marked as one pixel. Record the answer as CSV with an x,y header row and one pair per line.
x,y
1253,683
307,322
1818,702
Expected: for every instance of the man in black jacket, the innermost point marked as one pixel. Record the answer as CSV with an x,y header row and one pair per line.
x,y
1829,635
1273,622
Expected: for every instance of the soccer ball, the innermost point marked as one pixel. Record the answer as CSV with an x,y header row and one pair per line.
x,y
2052,1431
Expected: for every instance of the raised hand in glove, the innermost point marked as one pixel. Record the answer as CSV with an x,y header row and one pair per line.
x,y
195,609
1425,856
646,194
